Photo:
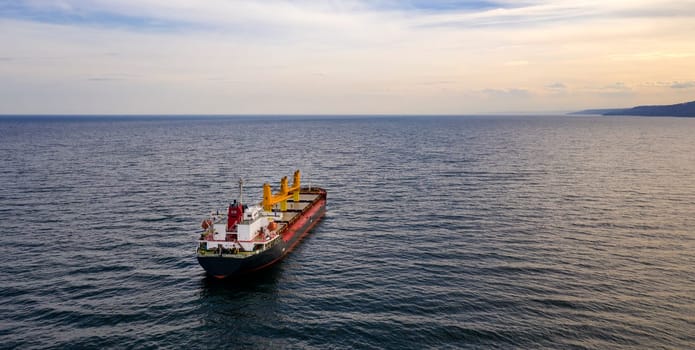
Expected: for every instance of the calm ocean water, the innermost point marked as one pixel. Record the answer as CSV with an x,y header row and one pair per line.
x,y
442,232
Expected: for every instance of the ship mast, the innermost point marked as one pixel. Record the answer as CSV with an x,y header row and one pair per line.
x,y
241,191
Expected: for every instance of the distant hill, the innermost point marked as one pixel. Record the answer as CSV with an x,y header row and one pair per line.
x,y
678,110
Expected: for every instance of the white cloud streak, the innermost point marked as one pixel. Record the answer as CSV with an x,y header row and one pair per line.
x,y
344,57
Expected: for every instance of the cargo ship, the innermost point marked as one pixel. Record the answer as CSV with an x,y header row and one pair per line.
x,y
249,238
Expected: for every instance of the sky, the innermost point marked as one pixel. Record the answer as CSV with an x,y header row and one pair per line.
x,y
343,57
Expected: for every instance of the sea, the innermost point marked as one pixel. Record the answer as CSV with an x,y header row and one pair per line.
x,y
441,232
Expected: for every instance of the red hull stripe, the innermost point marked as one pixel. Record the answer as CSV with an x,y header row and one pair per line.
x,y
287,236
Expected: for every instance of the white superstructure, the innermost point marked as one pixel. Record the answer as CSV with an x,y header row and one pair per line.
x,y
254,225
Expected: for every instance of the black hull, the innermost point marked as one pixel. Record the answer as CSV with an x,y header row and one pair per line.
x,y
229,266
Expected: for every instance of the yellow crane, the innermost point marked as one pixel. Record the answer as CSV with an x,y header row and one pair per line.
x,y
269,199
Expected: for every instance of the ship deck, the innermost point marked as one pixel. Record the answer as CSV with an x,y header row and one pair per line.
x,y
283,218
294,208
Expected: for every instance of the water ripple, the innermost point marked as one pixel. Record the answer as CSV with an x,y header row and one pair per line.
x,y
470,232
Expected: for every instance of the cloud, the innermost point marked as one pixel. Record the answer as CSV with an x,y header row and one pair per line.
x,y
617,87
506,93
256,18
264,56
284,14
683,85
544,12
556,86
112,77
438,5
652,56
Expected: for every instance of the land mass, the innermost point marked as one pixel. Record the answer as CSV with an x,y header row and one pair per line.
x,y
678,110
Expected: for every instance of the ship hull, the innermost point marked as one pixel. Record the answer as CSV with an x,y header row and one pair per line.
x,y
228,266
